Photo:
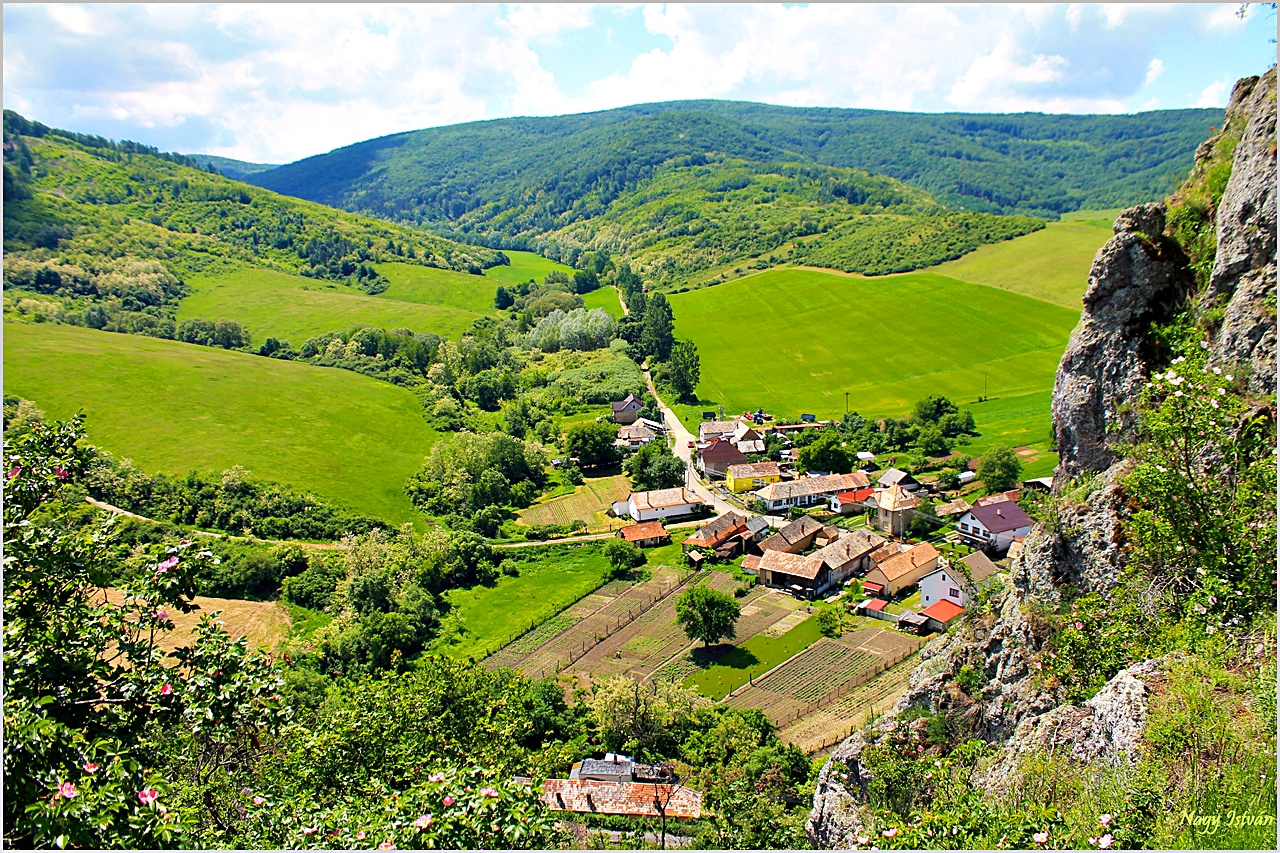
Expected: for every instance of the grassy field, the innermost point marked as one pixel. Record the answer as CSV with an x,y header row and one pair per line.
x,y
263,623
177,407
525,266
484,617
1016,421
1052,264
293,308
588,503
757,655
606,298
795,340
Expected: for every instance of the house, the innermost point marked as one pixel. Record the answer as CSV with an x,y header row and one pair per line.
x,y
748,478
634,436
712,430
1038,483
999,497
717,532
626,410
660,503
900,571
894,508
941,614
807,491
657,427
995,525
714,459
647,534
747,439
895,477
795,537
617,785
849,555
844,503
955,507
802,576
958,583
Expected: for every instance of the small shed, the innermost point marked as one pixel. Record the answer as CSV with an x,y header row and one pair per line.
x,y
914,622
941,614
648,534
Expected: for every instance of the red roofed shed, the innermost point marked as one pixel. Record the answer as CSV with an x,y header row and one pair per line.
x,y
942,614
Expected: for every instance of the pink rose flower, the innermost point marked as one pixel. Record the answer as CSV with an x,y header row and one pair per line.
x,y
162,614
423,821
488,792
167,565
360,835
67,790
1041,837
1079,626
436,777
1105,841
310,830
449,800
257,801
90,767
60,472
387,845
15,471
166,690
890,832
148,796
1105,820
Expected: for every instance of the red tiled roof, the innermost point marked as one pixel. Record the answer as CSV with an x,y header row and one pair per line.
x,y
644,530
855,496
876,604
943,611
636,799
873,586
751,561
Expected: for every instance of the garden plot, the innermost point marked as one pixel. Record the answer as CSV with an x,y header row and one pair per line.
x,y
586,504
833,723
585,632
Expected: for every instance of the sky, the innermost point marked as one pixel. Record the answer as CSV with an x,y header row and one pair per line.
x,y
275,83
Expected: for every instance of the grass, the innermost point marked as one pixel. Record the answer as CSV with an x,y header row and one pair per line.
x,y
586,504
1015,421
263,623
795,340
525,266
484,618
175,407
754,657
294,308
1051,264
607,298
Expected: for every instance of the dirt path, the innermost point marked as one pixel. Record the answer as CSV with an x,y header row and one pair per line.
x,y
319,546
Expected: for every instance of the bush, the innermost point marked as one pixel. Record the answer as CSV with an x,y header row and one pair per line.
x,y
623,556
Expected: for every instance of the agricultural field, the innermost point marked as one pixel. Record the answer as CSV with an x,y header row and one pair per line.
x,y
796,340
752,657
482,618
588,503
262,623
1051,264
834,722
825,670
173,407
294,308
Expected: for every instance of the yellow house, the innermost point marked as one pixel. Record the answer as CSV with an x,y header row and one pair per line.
x,y
748,478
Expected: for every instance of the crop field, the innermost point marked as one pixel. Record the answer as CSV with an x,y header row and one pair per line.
x,y
173,407
588,503
614,612
482,618
832,723
1051,264
825,671
751,657
525,266
262,623
294,308
796,340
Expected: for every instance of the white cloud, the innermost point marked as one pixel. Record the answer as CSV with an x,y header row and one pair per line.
x,y
1215,94
1226,17
1154,70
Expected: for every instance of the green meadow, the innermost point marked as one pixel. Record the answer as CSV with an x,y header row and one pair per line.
x,y
174,408
796,340
756,656
1051,264
525,266
294,308
606,297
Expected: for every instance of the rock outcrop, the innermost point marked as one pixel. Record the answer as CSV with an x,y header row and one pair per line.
x,y
1137,278
1244,269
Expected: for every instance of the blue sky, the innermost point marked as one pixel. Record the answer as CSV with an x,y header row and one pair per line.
x,y
273,83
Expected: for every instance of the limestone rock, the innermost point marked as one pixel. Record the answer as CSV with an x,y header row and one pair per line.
x,y
1137,278
1244,269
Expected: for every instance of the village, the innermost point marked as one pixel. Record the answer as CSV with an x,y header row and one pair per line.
x,y
885,560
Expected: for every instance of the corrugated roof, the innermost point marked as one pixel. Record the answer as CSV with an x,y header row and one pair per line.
x,y
944,611
644,530
635,799
904,564
1001,517
980,566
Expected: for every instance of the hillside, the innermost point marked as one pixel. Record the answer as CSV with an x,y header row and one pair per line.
x,y
235,169
497,180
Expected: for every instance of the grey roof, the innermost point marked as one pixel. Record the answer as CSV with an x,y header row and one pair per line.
x,y
757,524
980,566
597,766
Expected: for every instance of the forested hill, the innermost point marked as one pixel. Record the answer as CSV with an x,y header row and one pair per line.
x,y
525,175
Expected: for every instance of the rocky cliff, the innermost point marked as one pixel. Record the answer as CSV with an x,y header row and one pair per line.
x,y
1139,277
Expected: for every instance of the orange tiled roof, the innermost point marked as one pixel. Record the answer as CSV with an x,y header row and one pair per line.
x,y
644,530
636,799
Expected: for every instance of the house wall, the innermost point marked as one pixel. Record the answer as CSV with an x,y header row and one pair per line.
x,y
749,484
662,512
910,578
627,417
937,587
893,523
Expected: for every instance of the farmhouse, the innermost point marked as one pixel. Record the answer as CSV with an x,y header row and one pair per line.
x,y
849,555
808,491
729,534
895,477
958,584
801,575
795,537
744,478
747,439
660,503
847,502
626,410
647,534
714,459
901,571
635,435
712,430
894,508
617,785
994,525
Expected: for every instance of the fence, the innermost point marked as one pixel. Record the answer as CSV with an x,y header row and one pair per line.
x,y
617,625
858,680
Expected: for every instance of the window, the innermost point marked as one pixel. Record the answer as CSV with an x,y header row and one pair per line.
x,y
953,592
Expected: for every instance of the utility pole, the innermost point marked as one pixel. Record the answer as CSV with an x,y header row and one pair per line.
x,y
846,405
984,386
